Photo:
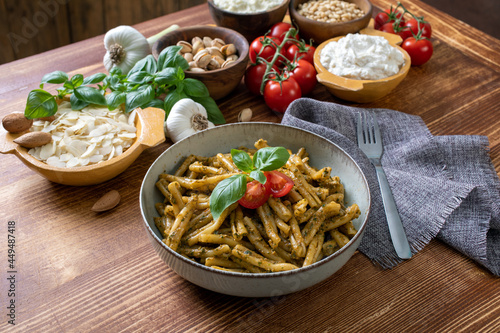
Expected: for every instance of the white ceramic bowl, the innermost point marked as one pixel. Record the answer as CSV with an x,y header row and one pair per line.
x,y
221,139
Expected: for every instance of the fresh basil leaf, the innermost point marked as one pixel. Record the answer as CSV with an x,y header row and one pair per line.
x,y
172,97
56,77
270,158
242,160
259,176
226,193
140,77
139,98
68,85
170,57
115,71
213,111
180,73
115,99
89,95
77,80
77,104
95,78
40,104
167,76
155,103
146,64
195,88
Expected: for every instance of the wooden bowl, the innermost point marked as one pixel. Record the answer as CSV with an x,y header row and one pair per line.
x,y
149,124
321,31
220,82
361,91
249,25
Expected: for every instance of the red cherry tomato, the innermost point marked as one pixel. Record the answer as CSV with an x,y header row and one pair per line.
x,y
278,95
389,15
305,74
255,195
254,76
420,50
403,32
425,27
279,31
302,51
264,47
278,184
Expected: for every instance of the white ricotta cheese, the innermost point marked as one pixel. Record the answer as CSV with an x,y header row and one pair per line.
x,y
362,57
247,6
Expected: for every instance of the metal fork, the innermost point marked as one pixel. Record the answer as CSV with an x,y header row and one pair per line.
x,y
370,142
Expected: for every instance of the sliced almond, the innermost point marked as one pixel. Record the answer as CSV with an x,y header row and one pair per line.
x,y
108,201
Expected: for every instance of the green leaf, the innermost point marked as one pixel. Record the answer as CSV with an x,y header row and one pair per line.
x,y
170,57
77,104
56,77
213,111
146,64
226,193
69,85
40,104
167,76
172,97
155,103
90,95
115,71
115,99
242,160
77,80
140,77
95,78
270,158
139,98
195,88
259,176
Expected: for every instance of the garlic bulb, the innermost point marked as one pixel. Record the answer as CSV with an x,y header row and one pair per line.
x,y
125,46
186,118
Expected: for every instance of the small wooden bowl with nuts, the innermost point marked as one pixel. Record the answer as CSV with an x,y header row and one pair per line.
x,y
217,56
311,21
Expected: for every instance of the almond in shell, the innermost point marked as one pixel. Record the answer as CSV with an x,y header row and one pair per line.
x,y
16,122
108,201
33,139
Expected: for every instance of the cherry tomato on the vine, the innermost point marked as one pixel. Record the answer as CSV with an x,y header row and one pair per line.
x,y
413,25
389,15
420,50
278,184
302,51
266,46
402,31
254,75
305,74
279,31
278,95
255,195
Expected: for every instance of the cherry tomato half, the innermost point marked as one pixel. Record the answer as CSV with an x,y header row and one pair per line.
x,y
255,195
278,95
420,50
278,184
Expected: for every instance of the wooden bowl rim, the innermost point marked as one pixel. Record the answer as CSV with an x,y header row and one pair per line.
x,y
242,15
293,10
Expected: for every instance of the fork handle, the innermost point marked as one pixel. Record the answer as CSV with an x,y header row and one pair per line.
x,y
396,229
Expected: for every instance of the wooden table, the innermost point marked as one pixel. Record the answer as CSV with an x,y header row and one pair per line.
x,y
79,271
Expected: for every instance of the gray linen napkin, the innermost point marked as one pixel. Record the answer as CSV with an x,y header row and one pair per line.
x,y
444,186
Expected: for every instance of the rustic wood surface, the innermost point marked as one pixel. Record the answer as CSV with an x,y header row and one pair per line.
x,y
79,271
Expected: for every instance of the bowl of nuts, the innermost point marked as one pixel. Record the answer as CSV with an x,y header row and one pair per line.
x,y
320,20
217,56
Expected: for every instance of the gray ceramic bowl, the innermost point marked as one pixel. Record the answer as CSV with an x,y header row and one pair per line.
x,y
221,139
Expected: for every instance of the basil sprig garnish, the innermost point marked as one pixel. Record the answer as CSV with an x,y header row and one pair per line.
x,y
233,188
159,83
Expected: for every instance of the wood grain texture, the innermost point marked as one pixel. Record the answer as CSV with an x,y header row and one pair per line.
x,y
79,271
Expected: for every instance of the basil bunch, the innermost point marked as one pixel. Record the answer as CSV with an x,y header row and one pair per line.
x,y
144,86
233,188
